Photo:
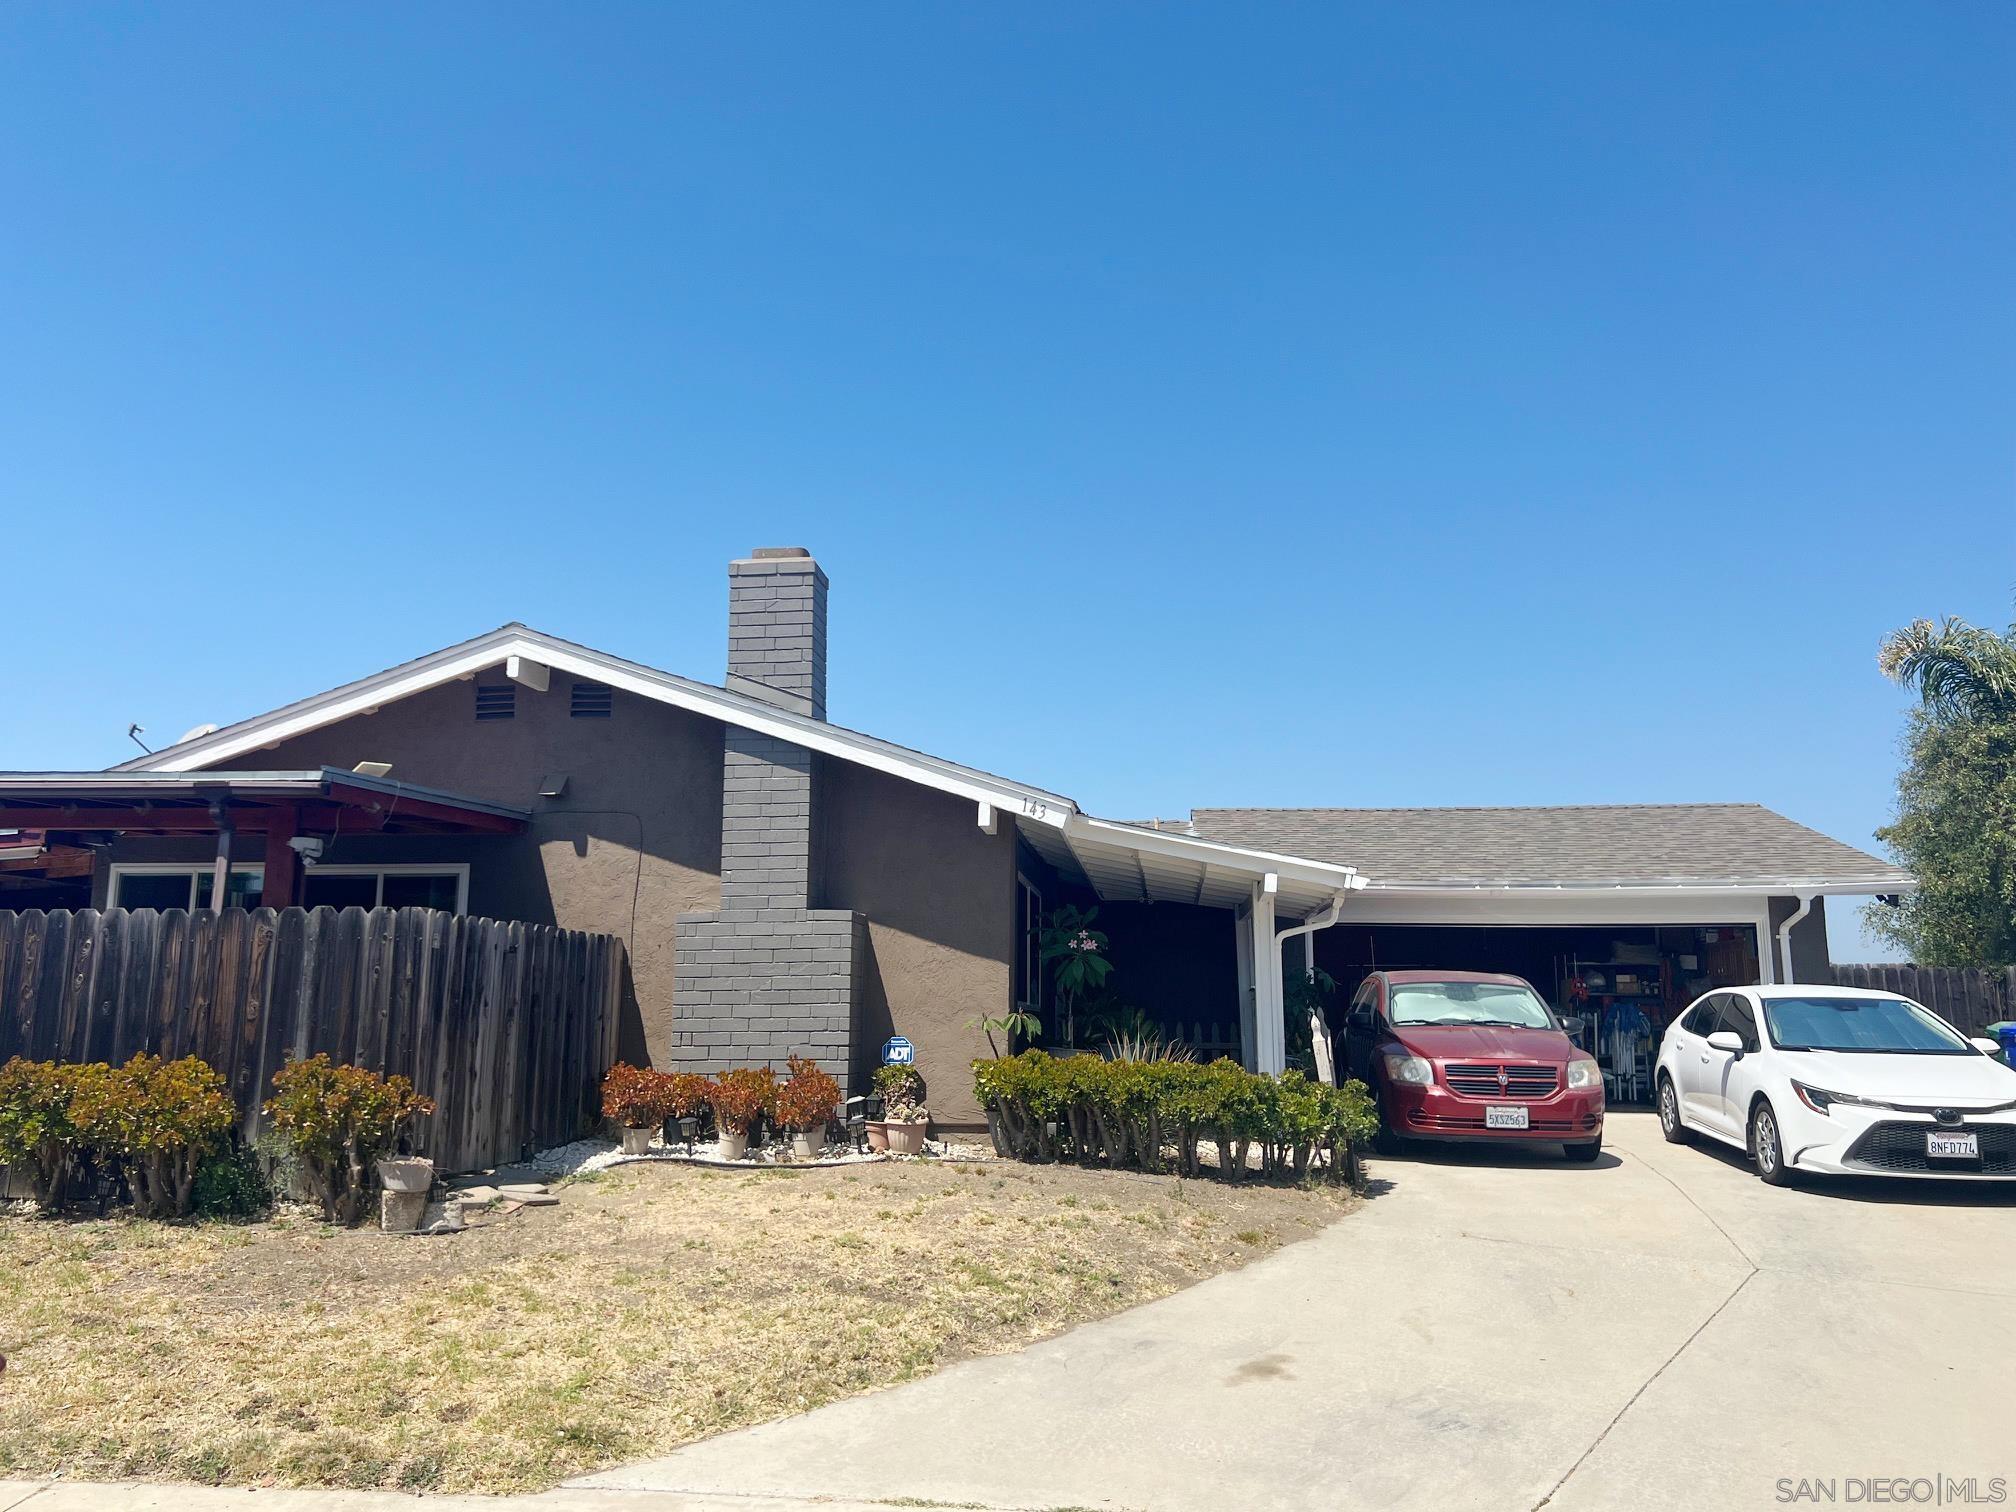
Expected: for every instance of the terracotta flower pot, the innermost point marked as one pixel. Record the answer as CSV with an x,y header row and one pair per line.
x,y
734,1146
636,1141
878,1135
899,1138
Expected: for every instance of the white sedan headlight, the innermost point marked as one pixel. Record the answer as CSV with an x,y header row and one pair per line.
x,y
1410,1070
1584,1073
1820,1101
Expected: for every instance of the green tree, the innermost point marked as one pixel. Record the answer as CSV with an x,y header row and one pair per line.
x,y
1956,798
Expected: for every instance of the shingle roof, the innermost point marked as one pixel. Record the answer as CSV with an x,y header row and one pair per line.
x,y
1647,845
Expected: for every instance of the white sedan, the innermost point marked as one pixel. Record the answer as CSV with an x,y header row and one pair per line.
x,y
1839,1080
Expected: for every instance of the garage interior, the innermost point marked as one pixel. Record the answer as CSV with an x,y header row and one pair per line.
x,y
1615,987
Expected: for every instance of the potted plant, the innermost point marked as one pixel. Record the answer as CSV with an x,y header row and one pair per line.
x,y
685,1103
738,1099
900,1130
1077,951
805,1106
636,1098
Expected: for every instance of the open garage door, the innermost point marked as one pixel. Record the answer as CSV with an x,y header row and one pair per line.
x,y
1614,986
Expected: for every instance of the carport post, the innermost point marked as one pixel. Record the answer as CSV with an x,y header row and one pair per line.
x,y
1242,947
1270,1030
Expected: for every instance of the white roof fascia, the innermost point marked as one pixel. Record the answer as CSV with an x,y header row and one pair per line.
x,y
1177,846
490,650
1749,887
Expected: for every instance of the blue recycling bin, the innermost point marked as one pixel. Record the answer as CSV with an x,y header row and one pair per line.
x,y
2007,1034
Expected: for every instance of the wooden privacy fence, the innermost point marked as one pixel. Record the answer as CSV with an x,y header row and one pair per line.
x,y
1968,998
508,1027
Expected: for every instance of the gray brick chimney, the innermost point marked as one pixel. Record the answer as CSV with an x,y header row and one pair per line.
x,y
777,629
769,975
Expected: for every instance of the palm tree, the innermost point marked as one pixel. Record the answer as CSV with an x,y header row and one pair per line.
x,y
1961,671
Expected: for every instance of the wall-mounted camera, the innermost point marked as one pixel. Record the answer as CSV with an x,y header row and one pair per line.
x,y
307,847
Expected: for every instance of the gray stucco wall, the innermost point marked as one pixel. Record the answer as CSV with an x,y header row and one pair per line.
x,y
938,895
633,843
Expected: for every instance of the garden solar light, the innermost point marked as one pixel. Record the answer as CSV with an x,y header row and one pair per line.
x,y
689,1130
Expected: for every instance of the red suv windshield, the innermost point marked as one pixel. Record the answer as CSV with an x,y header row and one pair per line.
x,y
1459,1004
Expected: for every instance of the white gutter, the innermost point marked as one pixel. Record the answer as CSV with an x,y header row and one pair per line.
x,y
1785,935
1315,922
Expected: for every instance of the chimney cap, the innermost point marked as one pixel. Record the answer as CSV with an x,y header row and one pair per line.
x,y
763,552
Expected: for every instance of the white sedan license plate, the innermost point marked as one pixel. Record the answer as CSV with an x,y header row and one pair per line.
x,y
1953,1146
1509,1118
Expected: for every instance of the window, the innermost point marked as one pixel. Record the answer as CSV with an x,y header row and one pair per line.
x,y
1459,1004
591,701
1739,1018
1701,1017
496,700
1029,954
443,886
182,886
1868,1026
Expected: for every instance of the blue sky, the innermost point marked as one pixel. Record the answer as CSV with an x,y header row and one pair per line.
x,y
1421,404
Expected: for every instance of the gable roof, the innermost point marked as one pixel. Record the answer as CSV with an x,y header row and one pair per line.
x,y
1117,860
1729,845
498,646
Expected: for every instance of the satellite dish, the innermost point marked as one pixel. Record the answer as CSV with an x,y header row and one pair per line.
x,y
189,735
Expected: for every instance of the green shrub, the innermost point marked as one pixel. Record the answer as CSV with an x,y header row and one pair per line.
x,y
1136,1113
158,1119
337,1121
231,1183
38,1129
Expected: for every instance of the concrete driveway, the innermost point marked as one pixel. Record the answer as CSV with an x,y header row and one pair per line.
x,y
1659,1330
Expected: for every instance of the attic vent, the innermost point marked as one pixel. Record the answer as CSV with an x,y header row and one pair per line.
x,y
591,701
496,700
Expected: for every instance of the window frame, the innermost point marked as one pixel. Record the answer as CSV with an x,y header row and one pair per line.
x,y
195,870
458,869
257,869
1031,945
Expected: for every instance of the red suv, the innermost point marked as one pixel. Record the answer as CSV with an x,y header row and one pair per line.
x,y
1472,1055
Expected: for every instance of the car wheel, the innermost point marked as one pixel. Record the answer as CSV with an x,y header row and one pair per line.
x,y
1767,1151
1584,1154
1669,1113
1384,1140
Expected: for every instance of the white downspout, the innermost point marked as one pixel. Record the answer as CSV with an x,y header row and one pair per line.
x,y
1785,936
1309,927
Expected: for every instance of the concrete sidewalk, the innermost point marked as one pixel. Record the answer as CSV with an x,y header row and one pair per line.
x,y
88,1496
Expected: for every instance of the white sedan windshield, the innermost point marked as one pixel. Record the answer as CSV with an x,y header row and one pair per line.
x,y
1461,1003
1870,1026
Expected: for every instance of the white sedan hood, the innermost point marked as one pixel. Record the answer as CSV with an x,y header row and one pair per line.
x,y
1962,1080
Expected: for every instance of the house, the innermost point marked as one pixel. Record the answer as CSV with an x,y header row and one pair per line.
x,y
787,885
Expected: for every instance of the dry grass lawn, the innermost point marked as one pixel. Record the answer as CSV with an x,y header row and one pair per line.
x,y
654,1306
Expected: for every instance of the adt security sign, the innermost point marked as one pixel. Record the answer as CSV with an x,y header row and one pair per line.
x,y
898,1051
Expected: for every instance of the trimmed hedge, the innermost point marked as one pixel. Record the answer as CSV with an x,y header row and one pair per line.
x,y
1155,1115
156,1120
